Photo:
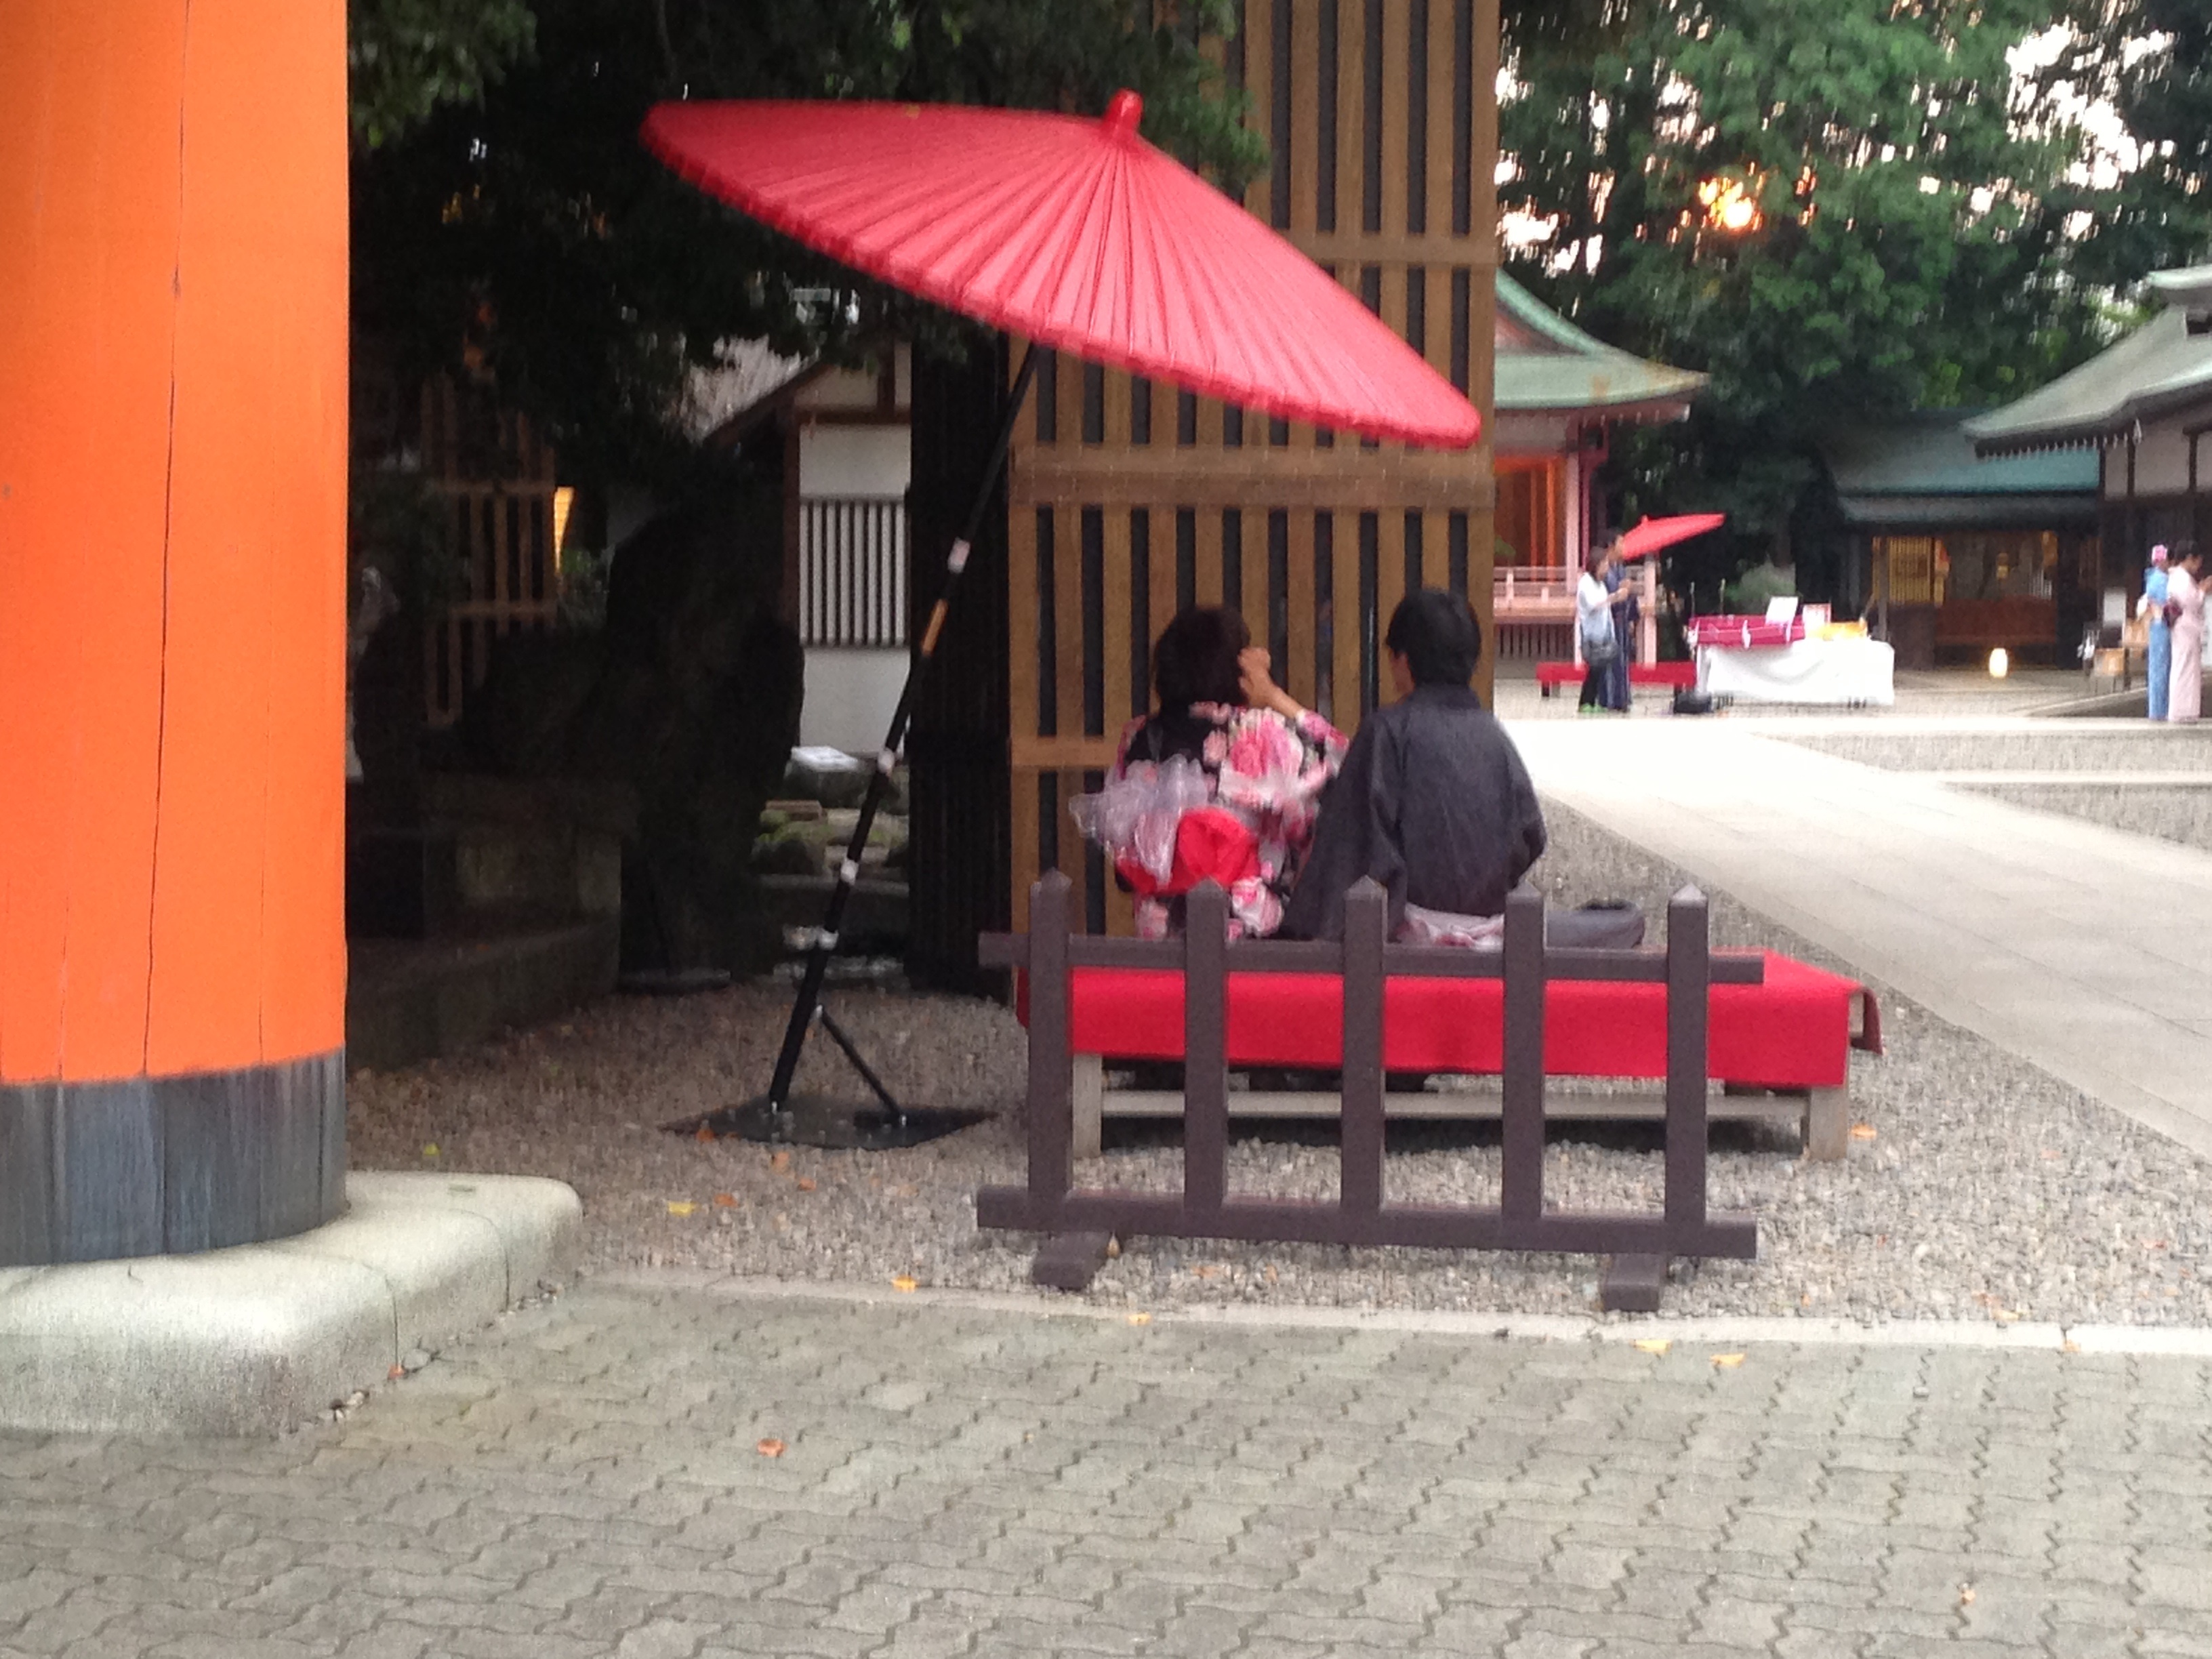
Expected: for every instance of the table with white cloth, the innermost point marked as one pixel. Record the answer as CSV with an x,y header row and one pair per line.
x,y
1755,661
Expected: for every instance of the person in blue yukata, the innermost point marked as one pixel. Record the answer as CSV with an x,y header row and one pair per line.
x,y
2160,667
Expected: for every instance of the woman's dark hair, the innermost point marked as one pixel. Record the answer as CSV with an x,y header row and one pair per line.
x,y
1600,551
1195,658
2182,548
1437,634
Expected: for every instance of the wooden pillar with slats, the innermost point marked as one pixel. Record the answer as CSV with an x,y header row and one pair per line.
x,y
1381,118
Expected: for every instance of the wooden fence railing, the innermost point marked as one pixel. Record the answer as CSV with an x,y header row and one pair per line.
x,y
1078,1221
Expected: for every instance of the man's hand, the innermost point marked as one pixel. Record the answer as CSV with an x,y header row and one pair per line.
x,y
1261,690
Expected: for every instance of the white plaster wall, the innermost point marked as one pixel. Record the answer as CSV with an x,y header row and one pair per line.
x,y
2161,460
855,460
850,696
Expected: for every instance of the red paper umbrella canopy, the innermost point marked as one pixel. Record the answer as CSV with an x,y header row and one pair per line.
x,y
1653,534
1075,233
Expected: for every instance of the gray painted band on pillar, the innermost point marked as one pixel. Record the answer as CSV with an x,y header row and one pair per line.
x,y
162,1166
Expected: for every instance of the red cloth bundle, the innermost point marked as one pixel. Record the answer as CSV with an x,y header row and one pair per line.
x,y
1210,841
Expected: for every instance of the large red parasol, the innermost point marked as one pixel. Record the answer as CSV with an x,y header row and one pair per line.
x,y
1075,233
1082,237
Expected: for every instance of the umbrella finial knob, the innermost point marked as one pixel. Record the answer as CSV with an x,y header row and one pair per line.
x,y
1123,111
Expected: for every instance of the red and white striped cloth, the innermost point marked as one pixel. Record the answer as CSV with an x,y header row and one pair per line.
x,y
1744,633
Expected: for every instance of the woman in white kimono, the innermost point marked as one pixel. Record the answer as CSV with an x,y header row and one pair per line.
x,y
2185,608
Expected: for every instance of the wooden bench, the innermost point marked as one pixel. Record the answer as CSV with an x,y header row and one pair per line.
x,y
1780,1047
1681,676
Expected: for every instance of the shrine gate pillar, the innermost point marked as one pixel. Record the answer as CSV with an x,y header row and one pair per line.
x,y
173,475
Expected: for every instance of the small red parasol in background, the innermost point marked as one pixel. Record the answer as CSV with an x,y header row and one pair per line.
x,y
1082,237
1075,233
1653,534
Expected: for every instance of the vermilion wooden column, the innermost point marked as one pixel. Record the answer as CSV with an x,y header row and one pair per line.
x,y
172,463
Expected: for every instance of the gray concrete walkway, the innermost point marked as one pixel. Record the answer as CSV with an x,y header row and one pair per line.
x,y
593,1479
2085,950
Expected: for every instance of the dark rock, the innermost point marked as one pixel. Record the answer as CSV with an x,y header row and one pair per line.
x,y
690,695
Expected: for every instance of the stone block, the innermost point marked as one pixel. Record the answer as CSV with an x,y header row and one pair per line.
x,y
255,1339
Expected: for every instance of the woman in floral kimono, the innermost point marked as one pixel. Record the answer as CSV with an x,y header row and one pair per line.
x,y
1265,762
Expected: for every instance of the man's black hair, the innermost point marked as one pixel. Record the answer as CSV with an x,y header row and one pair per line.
x,y
1437,634
1195,658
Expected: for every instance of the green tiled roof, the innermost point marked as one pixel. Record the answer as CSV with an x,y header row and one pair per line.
x,y
1545,363
2164,365
1921,469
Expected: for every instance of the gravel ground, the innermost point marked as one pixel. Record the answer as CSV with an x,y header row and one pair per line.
x,y
2059,747
2180,813
1985,1188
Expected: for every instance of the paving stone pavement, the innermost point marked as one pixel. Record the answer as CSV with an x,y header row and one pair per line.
x,y
587,1478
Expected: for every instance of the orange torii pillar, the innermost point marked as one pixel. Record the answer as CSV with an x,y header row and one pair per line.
x,y
172,468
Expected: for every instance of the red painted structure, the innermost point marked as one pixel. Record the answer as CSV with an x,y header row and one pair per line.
x,y
173,466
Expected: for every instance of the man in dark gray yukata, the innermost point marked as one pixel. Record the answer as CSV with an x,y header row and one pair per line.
x,y
1434,803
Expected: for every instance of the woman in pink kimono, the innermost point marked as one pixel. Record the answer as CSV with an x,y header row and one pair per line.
x,y
2185,610
1261,763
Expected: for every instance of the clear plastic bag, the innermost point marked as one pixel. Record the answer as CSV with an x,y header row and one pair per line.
x,y
1424,927
1135,817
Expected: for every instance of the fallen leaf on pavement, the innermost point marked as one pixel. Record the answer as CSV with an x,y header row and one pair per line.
x,y
430,1151
1654,1344
395,1373
805,1183
705,1133
681,1206
1727,1361
1965,1595
1861,1131
1209,1270
903,1283
1140,1319
769,1448
725,1200
778,1160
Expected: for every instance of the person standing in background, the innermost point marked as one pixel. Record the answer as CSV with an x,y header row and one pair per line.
x,y
2158,665
2185,610
1625,608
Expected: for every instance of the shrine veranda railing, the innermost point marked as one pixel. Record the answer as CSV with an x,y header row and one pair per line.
x,y
1077,1220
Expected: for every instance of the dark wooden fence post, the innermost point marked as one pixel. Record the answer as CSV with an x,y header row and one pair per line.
x,y
1520,1177
1052,1067
1366,928
1689,998
1205,1047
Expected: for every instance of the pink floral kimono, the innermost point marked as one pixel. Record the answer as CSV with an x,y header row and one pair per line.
x,y
1265,771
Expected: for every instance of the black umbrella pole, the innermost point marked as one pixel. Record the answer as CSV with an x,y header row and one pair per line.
x,y
825,938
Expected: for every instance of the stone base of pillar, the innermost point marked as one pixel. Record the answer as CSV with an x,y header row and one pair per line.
x,y
166,1165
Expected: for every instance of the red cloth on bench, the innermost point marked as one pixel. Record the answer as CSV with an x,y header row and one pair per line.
x,y
1793,1032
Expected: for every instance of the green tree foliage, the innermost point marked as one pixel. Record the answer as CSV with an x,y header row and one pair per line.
x,y
1896,234
521,227
406,58
2151,60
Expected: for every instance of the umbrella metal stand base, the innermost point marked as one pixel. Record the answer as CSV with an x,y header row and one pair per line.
x,y
818,1120
838,1125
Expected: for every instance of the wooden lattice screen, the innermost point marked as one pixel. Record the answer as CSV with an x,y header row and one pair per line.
x,y
496,477
1129,500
